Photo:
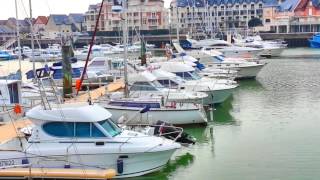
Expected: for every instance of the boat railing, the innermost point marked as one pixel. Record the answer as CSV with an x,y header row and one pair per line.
x,y
177,131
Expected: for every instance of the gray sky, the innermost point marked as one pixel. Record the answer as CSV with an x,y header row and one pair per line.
x,y
45,7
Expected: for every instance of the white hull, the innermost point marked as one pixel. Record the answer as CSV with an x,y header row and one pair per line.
x,y
249,71
217,96
272,52
134,164
244,71
241,53
173,116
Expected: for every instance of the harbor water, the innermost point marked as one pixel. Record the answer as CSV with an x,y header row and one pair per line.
x,y
268,130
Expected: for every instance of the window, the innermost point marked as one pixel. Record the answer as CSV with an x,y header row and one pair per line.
x,y
60,129
71,129
110,127
82,129
95,132
165,82
14,93
142,86
267,20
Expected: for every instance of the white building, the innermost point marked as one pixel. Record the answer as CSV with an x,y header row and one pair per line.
x,y
214,15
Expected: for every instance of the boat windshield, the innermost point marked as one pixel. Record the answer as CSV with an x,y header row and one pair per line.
x,y
110,127
157,84
195,75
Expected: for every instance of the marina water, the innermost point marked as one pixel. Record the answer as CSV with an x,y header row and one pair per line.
x,y
268,129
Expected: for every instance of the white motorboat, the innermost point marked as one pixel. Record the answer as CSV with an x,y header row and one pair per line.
x,y
218,90
82,136
159,109
216,73
245,68
226,48
270,48
146,84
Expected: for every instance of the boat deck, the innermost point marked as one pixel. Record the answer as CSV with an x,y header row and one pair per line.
x,y
10,131
97,93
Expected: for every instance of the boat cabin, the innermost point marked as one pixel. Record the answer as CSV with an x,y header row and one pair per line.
x,y
182,70
10,92
79,120
144,81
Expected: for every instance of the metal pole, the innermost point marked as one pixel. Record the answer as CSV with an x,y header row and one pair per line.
x,y
90,47
125,43
178,26
18,39
32,40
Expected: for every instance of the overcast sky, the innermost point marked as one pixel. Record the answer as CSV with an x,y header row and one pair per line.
x,y
44,7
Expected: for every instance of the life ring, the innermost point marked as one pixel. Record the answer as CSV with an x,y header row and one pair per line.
x,y
173,104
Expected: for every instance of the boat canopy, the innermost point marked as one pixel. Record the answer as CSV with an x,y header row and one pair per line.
x,y
142,77
70,112
175,67
161,74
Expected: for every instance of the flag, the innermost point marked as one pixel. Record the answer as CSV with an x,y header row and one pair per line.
x,y
145,109
143,53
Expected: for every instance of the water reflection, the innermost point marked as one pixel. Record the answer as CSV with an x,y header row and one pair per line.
x,y
221,112
181,161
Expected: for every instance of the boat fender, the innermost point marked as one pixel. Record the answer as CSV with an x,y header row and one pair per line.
x,y
120,166
173,104
25,161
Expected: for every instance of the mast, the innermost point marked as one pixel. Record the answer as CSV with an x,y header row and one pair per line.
x,y
178,25
90,47
18,39
125,43
32,40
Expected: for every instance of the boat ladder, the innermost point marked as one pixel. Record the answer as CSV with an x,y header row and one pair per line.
x,y
43,92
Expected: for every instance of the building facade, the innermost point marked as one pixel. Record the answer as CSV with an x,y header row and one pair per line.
x,y
59,25
293,16
214,15
6,34
39,25
141,15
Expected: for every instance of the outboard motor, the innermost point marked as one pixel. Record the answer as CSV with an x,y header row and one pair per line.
x,y
171,132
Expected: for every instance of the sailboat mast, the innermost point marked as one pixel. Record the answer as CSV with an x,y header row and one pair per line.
x,y
32,40
18,39
178,26
125,43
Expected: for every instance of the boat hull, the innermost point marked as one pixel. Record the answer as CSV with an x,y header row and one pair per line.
x,y
314,44
241,53
134,164
274,52
173,116
249,72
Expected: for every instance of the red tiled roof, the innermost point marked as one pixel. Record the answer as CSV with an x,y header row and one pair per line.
x,y
302,5
41,20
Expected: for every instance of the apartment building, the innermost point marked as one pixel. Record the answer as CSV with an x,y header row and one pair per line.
x,y
217,15
141,15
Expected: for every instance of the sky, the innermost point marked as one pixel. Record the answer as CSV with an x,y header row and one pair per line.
x,y
45,7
